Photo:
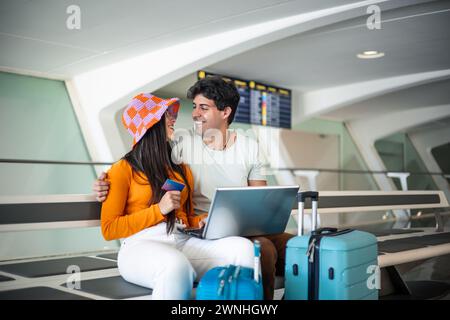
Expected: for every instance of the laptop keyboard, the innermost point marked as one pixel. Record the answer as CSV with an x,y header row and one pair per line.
x,y
194,232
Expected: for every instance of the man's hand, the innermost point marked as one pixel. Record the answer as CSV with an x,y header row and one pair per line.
x,y
257,183
170,201
101,188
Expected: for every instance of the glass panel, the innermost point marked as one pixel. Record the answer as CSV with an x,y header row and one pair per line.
x,y
36,179
442,156
40,243
37,122
47,179
349,156
399,154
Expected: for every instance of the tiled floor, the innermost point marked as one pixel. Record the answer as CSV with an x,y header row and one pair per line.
x,y
55,279
100,279
437,269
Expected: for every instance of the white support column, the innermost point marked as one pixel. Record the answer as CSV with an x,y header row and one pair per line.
x,y
402,176
311,175
424,141
401,215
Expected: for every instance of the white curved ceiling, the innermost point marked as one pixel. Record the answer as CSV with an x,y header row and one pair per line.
x,y
414,39
425,95
315,61
35,38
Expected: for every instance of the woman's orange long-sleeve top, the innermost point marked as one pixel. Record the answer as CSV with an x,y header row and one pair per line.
x,y
126,210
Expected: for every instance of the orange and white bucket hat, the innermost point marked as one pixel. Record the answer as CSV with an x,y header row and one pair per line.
x,y
144,111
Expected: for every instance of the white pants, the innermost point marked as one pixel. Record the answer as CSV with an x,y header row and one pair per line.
x,y
169,264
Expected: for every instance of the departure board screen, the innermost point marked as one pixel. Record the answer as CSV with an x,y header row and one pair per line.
x,y
260,104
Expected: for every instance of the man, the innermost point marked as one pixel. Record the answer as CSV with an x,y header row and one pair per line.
x,y
226,159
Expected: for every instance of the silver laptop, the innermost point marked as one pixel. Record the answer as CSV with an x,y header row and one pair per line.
x,y
248,211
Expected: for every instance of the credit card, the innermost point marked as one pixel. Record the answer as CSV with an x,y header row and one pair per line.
x,y
171,185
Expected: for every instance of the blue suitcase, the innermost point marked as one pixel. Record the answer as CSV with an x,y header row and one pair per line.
x,y
232,282
329,264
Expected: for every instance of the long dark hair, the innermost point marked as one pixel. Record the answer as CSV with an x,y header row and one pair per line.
x,y
151,156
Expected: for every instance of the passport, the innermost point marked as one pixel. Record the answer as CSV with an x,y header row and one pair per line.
x,y
171,185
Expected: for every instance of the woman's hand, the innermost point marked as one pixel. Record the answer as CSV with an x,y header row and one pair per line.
x,y
170,201
202,222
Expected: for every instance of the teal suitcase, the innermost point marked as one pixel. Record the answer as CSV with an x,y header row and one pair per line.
x,y
329,264
232,282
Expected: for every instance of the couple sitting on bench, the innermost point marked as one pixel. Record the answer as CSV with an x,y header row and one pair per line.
x,y
154,253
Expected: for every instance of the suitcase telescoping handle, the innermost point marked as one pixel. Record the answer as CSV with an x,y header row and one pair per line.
x,y
257,246
301,197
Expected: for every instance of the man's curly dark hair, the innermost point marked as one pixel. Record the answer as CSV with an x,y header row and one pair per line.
x,y
223,93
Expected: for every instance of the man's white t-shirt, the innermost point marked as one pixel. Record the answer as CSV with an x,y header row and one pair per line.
x,y
232,167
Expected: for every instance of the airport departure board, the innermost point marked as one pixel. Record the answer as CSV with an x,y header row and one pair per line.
x,y
260,104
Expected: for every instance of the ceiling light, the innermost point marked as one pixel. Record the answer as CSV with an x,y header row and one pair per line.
x,y
370,54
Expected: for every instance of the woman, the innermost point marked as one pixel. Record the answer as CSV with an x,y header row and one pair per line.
x,y
154,253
